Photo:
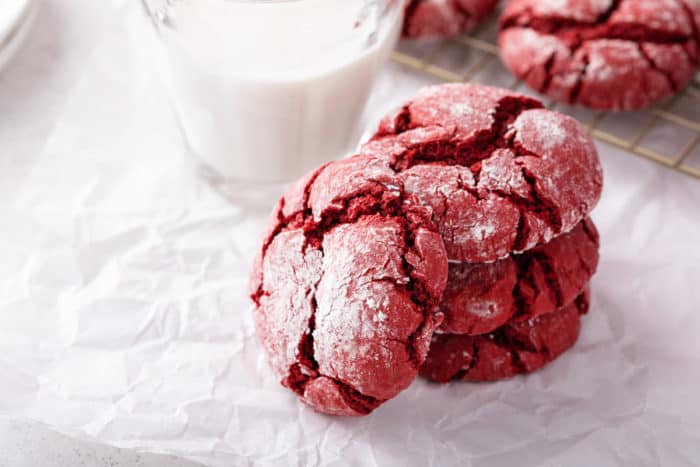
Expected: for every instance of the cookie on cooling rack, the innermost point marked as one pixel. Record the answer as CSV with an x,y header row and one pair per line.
x,y
432,19
607,54
480,297
497,173
346,286
516,348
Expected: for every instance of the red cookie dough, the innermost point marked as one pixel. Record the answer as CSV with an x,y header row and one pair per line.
x,y
497,173
444,18
513,349
346,287
482,297
603,54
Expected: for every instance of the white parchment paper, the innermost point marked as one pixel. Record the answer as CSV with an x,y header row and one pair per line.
x,y
124,318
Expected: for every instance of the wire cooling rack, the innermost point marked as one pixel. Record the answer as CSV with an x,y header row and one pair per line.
x,y
668,134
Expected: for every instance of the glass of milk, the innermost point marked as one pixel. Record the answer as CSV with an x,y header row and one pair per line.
x,y
267,90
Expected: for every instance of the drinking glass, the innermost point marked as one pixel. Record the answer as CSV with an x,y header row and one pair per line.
x,y
265,91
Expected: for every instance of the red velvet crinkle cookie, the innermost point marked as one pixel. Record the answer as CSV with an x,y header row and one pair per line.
x,y
513,349
346,286
603,54
444,18
484,296
497,173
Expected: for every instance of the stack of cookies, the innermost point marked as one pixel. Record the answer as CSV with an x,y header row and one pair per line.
x,y
515,315
512,210
457,244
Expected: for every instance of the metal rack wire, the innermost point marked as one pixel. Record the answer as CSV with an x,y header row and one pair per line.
x,y
466,58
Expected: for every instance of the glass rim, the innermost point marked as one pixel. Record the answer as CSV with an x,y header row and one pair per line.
x,y
301,1
146,3
154,11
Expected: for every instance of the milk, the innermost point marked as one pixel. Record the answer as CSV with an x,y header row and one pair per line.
x,y
266,91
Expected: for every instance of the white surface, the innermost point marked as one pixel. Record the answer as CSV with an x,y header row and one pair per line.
x,y
11,14
30,444
266,92
123,316
15,19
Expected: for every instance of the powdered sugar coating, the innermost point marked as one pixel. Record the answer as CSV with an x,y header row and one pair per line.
x,y
473,229
579,10
674,59
499,177
614,64
619,55
565,170
479,297
287,307
444,18
513,349
482,297
663,15
362,264
349,178
346,288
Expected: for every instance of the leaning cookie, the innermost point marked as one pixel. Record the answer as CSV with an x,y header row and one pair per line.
x,y
607,54
497,173
513,349
432,19
481,297
346,287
